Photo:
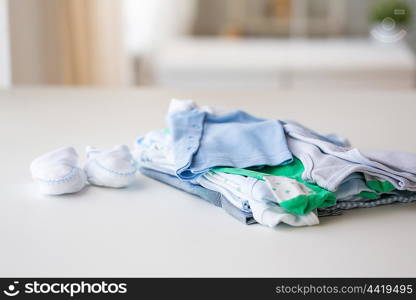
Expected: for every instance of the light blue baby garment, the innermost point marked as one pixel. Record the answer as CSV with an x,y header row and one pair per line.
x,y
353,185
202,140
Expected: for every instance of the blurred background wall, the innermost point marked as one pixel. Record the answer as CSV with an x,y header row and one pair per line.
x,y
209,43
66,42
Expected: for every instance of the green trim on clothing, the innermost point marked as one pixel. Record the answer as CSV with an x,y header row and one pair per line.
x,y
368,195
380,186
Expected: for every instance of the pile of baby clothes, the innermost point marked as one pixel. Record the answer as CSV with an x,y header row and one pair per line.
x,y
270,171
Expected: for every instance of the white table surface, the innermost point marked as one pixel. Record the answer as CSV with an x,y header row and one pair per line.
x,y
151,229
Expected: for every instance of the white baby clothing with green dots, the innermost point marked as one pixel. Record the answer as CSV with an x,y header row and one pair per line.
x,y
263,197
284,188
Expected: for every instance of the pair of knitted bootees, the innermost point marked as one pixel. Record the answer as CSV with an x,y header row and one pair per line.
x,y
58,172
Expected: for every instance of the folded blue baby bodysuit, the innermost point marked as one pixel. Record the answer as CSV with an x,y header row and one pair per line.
x,y
202,140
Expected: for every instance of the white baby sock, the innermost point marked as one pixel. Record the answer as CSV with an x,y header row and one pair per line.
x,y
110,167
57,172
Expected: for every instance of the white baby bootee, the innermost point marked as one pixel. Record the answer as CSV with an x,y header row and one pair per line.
x,y
110,167
57,172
